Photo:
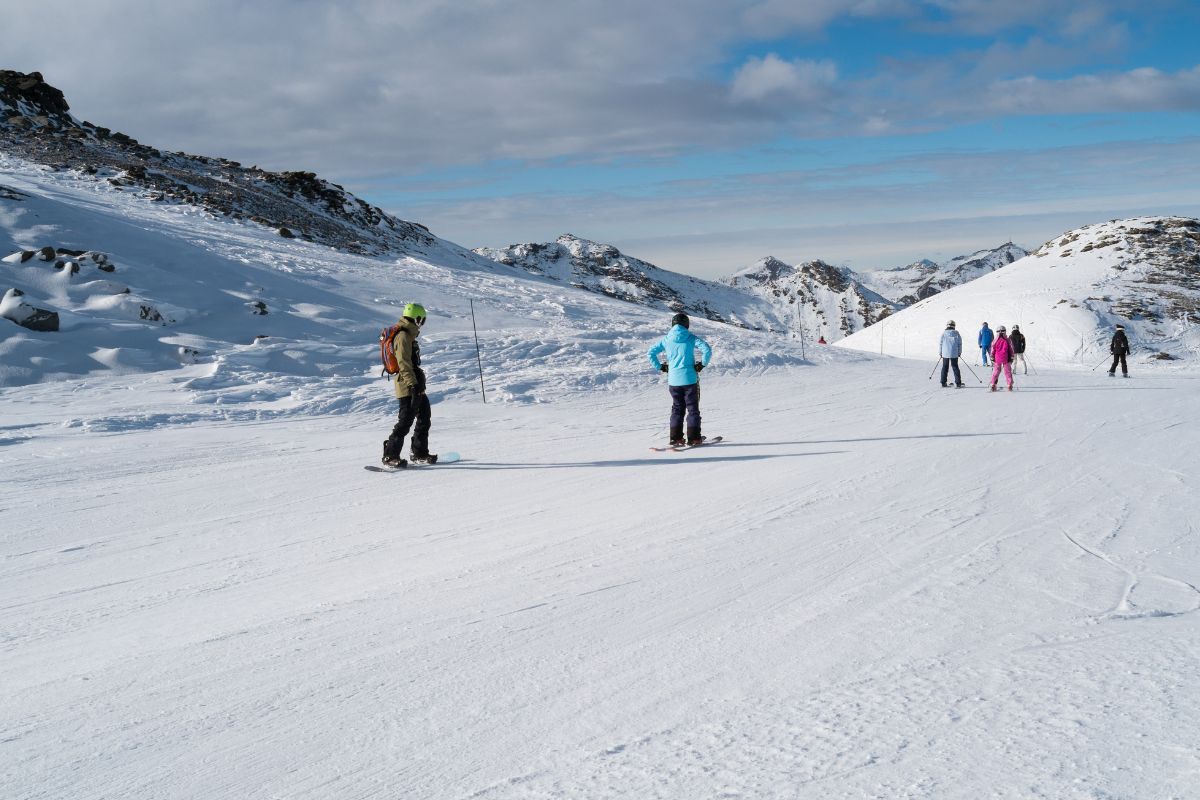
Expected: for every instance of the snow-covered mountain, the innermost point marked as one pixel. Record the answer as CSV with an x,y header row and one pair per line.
x,y
604,269
819,298
925,278
1069,294
833,301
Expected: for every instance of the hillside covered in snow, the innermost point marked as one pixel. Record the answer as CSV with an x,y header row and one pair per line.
x,y
1069,295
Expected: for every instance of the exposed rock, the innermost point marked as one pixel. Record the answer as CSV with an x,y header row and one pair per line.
x,y
35,124
27,316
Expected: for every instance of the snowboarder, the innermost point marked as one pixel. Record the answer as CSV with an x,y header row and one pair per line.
x,y
951,349
409,381
985,342
1119,347
683,376
1017,340
1001,357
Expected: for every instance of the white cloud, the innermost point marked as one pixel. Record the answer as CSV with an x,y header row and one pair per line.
x,y
776,79
1144,89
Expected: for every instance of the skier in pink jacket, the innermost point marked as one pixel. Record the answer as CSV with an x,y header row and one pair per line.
x,y
1002,354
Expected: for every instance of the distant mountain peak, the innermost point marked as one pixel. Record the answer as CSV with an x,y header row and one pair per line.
x,y
924,278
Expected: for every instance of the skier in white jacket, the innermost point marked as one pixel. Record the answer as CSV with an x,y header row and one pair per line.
x,y
950,348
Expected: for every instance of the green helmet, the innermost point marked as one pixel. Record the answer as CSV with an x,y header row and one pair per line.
x,y
415,312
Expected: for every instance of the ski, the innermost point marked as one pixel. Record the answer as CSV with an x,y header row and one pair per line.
x,y
443,458
681,448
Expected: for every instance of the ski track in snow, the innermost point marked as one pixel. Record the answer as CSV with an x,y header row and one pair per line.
x,y
863,590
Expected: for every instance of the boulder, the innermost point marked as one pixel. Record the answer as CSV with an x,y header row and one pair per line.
x,y
13,308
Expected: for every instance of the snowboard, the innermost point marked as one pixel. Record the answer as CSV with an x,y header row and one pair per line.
x,y
443,458
681,448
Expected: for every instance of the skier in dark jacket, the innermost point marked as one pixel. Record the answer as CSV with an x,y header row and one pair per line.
x,y
683,374
1017,340
1119,347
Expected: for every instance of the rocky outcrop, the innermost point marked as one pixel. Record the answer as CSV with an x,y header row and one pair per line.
x,y
35,124
14,309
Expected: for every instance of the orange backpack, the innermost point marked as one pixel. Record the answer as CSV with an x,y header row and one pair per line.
x,y
387,353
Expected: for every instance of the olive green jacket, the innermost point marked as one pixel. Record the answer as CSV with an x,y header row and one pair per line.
x,y
408,358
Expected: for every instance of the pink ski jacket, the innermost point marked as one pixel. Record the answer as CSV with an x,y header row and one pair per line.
x,y
1001,350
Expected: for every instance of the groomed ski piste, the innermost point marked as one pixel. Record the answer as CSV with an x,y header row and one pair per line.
x,y
874,588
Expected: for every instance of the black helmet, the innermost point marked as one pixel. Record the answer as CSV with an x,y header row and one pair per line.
x,y
681,319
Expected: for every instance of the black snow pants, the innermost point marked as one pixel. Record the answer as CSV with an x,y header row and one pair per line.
x,y
947,363
1124,368
412,408
685,398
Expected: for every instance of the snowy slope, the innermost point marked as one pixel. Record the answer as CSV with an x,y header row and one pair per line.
x,y
210,279
832,301
862,592
925,278
604,269
1068,296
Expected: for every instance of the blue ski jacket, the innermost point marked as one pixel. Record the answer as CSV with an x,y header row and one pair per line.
x,y
951,344
681,345
986,337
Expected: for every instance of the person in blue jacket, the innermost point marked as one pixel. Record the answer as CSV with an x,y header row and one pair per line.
x,y
986,337
680,346
950,348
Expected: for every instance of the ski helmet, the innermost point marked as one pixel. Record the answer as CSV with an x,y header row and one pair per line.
x,y
1120,327
681,319
950,324
415,312
1001,329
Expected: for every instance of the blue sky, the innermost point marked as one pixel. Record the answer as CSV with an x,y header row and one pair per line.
x,y
698,135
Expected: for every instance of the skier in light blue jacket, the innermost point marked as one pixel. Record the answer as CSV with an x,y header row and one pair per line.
x,y
950,348
680,346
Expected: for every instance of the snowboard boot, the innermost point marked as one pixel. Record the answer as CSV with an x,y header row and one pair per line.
x,y
677,437
694,438
427,458
390,459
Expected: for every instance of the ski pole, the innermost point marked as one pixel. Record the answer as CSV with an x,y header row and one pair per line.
x,y
935,366
968,366
1035,372
1105,361
478,358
